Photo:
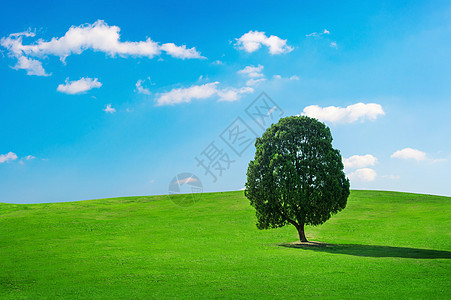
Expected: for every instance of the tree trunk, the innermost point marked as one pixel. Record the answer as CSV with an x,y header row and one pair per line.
x,y
301,232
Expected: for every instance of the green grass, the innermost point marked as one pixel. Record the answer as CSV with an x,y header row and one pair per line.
x,y
385,245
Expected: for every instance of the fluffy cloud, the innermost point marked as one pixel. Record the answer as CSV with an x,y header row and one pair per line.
x,y
364,174
255,74
359,161
252,71
98,36
10,156
32,66
109,109
204,91
141,89
253,40
78,86
253,81
349,114
233,94
180,51
333,45
409,153
185,95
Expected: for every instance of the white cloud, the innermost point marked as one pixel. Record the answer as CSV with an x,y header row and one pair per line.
x,y
10,156
180,51
349,114
253,40
318,35
321,36
359,161
293,77
28,157
185,95
253,81
409,153
141,89
252,71
364,174
233,94
313,34
204,91
32,66
78,86
98,36
109,109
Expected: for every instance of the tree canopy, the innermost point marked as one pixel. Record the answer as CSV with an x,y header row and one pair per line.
x,y
296,176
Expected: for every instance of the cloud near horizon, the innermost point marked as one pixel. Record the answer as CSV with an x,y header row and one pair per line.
x,y
359,161
363,174
98,36
352,113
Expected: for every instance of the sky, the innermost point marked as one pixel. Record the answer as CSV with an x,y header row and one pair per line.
x,y
112,99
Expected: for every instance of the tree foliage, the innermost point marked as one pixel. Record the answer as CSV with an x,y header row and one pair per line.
x,y
296,176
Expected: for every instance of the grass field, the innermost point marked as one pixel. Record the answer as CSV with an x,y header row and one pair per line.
x,y
385,245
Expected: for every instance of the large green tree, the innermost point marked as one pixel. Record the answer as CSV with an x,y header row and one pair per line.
x,y
297,176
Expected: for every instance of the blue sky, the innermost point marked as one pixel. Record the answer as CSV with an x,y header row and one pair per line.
x,y
117,98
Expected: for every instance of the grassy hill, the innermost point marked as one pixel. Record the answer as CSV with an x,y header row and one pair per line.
x,y
385,245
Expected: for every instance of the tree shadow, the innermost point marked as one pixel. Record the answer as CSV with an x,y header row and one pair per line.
x,y
371,250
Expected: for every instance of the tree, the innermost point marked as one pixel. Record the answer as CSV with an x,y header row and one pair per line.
x,y
296,176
